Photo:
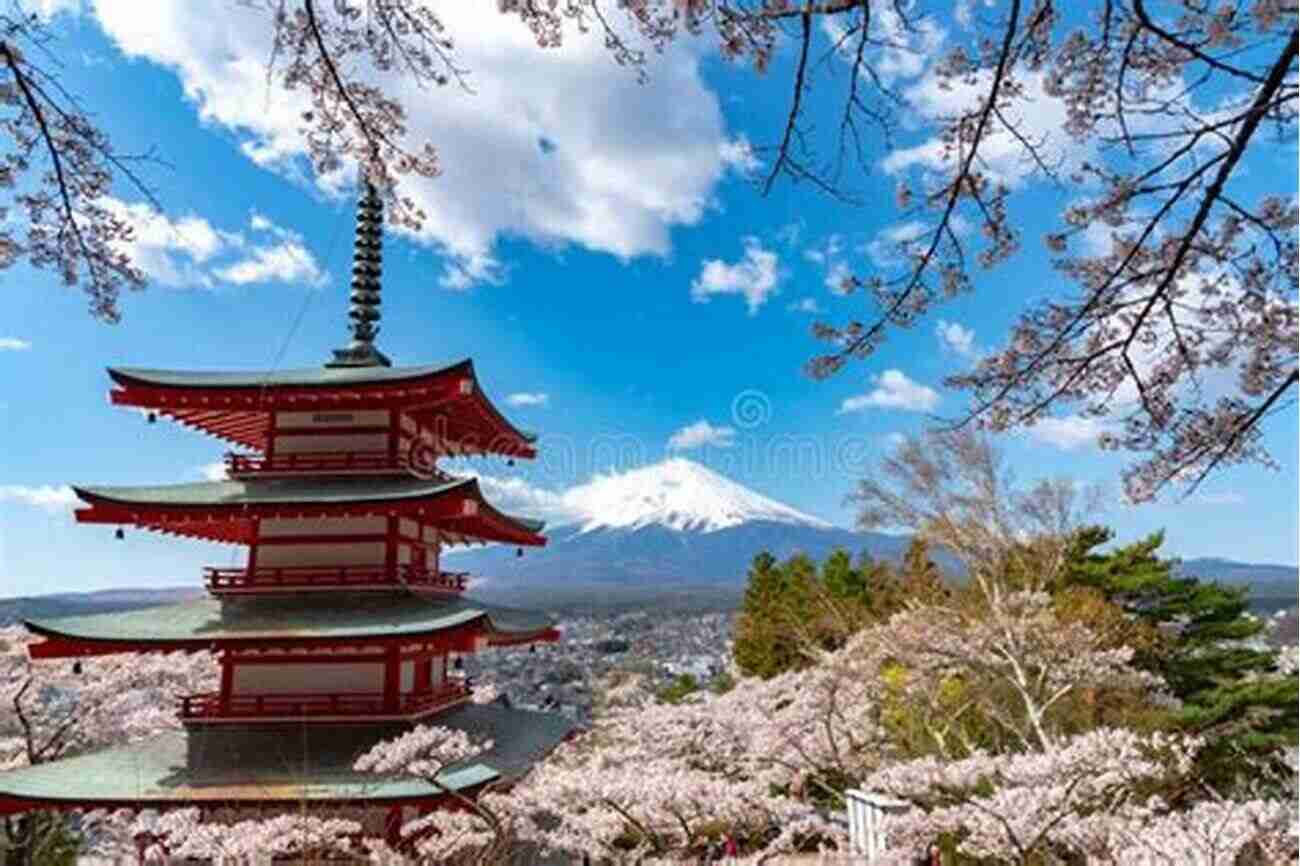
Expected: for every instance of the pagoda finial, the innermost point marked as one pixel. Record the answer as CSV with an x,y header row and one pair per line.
x,y
367,258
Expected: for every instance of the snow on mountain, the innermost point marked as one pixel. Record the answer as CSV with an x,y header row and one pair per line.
x,y
677,494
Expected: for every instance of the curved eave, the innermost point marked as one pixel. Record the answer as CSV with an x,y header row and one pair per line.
x,y
235,406
272,381
259,766
457,625
522,443
218,512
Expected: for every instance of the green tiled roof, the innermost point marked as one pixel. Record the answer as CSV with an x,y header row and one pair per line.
x,y
326,615
274,764
323,376
281,491
293,491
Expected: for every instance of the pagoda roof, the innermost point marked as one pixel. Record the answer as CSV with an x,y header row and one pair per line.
x,y
309,377
225,510
234,765
339,619
235,405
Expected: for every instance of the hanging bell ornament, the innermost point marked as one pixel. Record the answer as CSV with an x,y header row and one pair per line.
x,y
519,551
119,533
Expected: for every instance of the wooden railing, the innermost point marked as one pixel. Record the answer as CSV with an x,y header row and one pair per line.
x,y
313,461
291,578
211,706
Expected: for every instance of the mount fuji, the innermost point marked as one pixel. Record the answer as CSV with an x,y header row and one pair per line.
x,y
672,523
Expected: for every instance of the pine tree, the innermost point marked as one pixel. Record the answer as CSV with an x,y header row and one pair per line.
x,y
1222,682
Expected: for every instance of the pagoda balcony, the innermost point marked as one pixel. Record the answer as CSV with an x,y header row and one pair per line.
x,y
321,707
310,578
326,463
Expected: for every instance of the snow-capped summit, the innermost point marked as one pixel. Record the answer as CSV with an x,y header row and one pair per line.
x,y
678,494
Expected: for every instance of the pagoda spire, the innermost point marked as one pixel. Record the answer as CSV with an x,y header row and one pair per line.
x,y
367,258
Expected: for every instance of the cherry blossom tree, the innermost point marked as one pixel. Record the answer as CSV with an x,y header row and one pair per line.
x,y
1178,329
956,490
478,828
52,709
1081,797
185,834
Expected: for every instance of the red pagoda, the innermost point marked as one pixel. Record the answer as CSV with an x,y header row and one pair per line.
x,y
336,632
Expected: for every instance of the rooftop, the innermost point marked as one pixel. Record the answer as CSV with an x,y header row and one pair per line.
x,y
306,377
224,510
208,622
270,765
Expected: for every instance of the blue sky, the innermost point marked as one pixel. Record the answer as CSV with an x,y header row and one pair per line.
x,y
592,240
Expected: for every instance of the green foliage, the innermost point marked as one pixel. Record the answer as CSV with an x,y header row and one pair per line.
x,y
790,607
39,839
684,685
1199,652
722,683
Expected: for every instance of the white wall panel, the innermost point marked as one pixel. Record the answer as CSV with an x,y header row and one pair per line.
x,y
333,677
335,444
354,553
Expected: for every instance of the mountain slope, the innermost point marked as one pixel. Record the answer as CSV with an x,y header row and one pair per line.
x,y
674,522
676,494
678,523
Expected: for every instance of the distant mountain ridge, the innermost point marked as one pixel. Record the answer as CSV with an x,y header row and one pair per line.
x,y
679,523
666,531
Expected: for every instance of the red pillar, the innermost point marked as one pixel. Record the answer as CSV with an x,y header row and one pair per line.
x,y
227,679
392,677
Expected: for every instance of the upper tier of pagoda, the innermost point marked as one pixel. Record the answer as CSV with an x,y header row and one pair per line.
x,y
229,511
445,404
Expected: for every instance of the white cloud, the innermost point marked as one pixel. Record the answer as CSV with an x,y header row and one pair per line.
x,y
837,277
517,496
823,253
886,248
738,154
905,52
1068,432
465,272
893,391
955,338
755,277
214,471
170,252
626,161
46,496
526,398
47,9
14,344
701,434
790,233
285,262
190,252
806,305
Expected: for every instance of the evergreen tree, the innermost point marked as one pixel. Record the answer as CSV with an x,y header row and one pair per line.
x,y
1201,653
764,646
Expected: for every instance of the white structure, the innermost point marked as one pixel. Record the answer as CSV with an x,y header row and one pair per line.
x,y
866,833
